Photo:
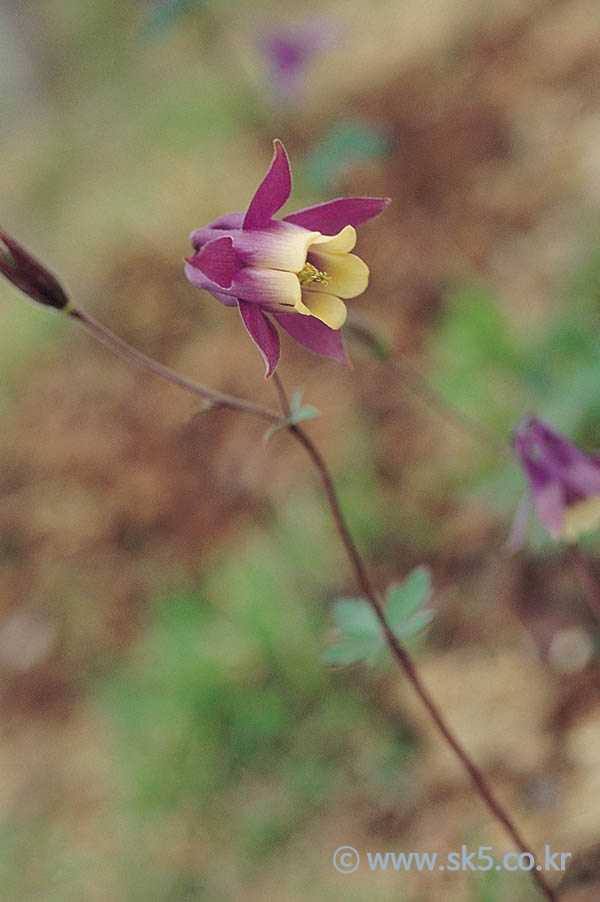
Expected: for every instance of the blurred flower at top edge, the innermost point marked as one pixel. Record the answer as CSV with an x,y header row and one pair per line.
x,y
564,483
288,51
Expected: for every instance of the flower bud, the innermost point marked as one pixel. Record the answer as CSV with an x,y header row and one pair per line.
x,y
29,275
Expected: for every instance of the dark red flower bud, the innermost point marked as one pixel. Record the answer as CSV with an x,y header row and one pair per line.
x,y
28,274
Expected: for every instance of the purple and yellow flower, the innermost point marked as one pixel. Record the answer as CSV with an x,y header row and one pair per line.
x,y
297,270
564,481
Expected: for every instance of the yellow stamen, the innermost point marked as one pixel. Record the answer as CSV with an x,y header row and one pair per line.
x,y
309,274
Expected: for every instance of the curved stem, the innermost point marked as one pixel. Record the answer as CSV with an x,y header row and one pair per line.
x,y
404,659
285,404
124,350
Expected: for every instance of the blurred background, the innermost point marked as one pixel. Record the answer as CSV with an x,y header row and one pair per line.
x,y
168,731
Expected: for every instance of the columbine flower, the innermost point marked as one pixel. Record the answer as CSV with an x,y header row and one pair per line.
x,y
564,482
295,270
29,275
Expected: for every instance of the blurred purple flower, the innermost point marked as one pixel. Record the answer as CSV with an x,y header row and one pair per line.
x,y
564,482
296,269
288,51
29,275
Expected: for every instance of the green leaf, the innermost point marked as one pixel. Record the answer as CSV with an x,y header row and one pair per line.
x,y
405,598
298,412
304,413
296,400
297,415
355,619
360,636
415,626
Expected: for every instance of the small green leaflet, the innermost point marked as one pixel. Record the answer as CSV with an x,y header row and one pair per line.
x,y
298,414
403,600
359,634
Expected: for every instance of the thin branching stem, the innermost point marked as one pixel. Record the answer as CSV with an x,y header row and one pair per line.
x,y
402,656
281,394
219,399
131,355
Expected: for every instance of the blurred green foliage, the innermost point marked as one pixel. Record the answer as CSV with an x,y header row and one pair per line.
x,y
164,14
345,145
489,366
497,373
226,711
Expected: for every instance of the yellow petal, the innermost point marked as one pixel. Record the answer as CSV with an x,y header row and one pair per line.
x,y
348,274
301,308
580,517
326,307
343,242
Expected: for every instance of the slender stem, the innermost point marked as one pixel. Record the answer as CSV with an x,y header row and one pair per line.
x,y
402,656
419,385
588,577
285,404
124,350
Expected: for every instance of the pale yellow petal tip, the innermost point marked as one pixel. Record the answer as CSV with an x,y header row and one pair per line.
x,y
581,517
329,309
341,243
